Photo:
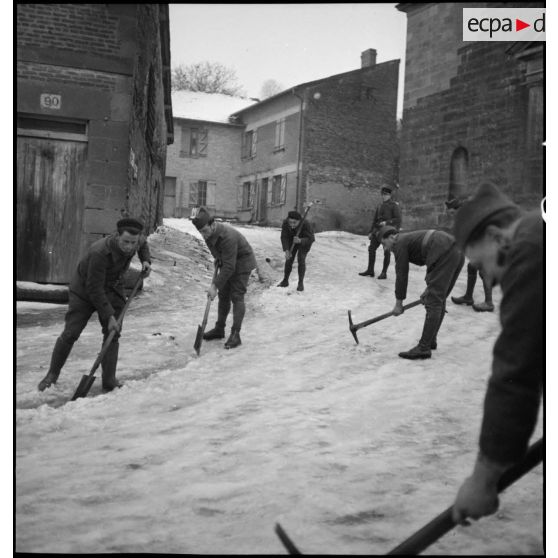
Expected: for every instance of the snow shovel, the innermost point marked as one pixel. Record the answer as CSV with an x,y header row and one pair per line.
x,y
88,379
355,327
299,228
443,523
201,328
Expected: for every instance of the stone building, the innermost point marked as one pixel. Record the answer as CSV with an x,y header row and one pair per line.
x,y
204,162
331,141
94,119
472,111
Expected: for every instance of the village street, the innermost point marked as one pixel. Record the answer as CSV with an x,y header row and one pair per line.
x,y
349,447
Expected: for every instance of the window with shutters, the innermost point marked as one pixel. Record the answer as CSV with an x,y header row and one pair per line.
x,y
193,142
198,193
246,195
279,135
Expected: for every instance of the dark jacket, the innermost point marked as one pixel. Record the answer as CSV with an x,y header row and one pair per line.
x,y
232,250
514,390
389,212
101,269
306,236
411,248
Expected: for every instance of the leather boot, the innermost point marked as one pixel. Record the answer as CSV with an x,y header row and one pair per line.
x,y
217,332
371,261
300,286
484,307
59,356
432,323
416,353
385,266
284,283
467,298
108,365
233,340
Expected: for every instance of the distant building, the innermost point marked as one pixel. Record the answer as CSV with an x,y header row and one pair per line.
x,y
473,111
94,119
331,141
204,163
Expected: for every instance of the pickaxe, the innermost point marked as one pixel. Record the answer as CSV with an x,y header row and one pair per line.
x,y
355,327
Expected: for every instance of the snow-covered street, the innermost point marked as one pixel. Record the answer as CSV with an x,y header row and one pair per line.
x,y
349,447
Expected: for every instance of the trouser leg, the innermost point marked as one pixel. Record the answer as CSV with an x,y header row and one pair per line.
x,y
110,359
387,258
487,286
238,286
288,267
302,265
223,308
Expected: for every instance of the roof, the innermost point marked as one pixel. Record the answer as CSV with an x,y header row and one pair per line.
x,y
211,107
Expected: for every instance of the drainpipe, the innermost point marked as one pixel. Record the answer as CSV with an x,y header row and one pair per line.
x,y
299,156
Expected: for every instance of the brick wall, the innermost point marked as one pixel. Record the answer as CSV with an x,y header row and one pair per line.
x,y
481,111
221,165
349,146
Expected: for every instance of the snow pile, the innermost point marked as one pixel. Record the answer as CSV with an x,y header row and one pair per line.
x,y
349,447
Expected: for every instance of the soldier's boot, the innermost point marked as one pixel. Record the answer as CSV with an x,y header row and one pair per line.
x,y
430,329
467,298
218,332
434,342
286,273
108,365
233,340
62,349
371,261
301,273
385,266
487,305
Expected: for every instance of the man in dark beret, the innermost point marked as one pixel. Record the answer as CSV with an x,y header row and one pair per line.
x,y
301,242
96,286
452,205
387,213
443,260
236,261
508,245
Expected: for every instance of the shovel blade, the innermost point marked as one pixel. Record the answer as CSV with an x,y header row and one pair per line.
x,y
84,387
198,341
352,328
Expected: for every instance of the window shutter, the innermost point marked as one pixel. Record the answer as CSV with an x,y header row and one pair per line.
x,y
193,200
211,191
277,133
239,189
252,193
283,188
269,192
184,141
202,151
254,142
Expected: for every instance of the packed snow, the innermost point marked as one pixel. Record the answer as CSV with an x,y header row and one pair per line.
x,y
350,448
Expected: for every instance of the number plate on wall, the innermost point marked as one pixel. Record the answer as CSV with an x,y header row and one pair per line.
x,y
50,101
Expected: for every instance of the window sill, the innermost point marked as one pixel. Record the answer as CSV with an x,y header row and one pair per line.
x,y
279,149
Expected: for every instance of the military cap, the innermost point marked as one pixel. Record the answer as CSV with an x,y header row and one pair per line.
x,y
133,226
474,213
200,217
385,231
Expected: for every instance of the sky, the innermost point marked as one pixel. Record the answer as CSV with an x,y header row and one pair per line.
x,y
349,447
290,43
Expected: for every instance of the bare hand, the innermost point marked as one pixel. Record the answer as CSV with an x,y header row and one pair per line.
x,y
474,499
287,254
113,324
296,240
382,223
212,291
146,269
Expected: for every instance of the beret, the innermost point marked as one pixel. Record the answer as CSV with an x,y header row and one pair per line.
x,y
130,224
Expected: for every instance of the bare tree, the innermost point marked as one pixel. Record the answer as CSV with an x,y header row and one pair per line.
x,y
209,77
270,87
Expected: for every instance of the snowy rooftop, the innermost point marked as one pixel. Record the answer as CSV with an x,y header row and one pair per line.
x,y
213,107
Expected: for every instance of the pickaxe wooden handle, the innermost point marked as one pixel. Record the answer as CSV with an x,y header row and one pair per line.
x,y
355,327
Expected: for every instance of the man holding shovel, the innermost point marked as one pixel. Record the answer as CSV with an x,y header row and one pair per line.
x,y
295,243
443,260
96,286
508,246
236,261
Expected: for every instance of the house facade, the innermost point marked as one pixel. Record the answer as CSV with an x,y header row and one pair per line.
x,y
204,162
331,142
94,118
473,111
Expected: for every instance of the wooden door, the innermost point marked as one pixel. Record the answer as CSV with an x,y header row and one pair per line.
x,y
169,201
50,205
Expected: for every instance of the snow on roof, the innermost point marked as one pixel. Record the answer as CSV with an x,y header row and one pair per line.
x,y
213,107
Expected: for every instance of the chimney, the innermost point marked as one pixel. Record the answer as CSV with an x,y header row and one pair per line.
x,y
368,58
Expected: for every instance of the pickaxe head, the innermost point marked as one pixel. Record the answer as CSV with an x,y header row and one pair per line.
x,y
352,328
